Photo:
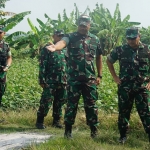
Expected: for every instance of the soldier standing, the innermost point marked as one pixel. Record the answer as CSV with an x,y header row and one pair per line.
x,y
133,81
53,80
5,62
83,47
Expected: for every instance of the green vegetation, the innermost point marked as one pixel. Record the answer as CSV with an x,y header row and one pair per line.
x,y
23,90
109,28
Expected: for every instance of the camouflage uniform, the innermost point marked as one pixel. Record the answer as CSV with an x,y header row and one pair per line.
x,y
81,76
53,73
134,75
4,53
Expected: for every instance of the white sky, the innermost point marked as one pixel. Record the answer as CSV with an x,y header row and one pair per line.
x,y
138,10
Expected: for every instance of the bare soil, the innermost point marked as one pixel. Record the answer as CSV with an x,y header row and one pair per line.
x,y
16,141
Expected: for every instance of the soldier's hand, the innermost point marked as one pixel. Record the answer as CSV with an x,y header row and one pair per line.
x,y
148,86
117,80
51,48
5,68
43,85
98,80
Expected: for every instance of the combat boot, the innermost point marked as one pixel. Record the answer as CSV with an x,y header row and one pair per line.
x,y
39,122
122,140
149,137
0,100
123,137
56,123
68,131
94,131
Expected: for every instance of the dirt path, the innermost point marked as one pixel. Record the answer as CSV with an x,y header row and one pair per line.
x,y
19,140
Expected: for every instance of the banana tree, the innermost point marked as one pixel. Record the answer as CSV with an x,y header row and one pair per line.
x,y
145,35
110,29
14,18
32,40
37,37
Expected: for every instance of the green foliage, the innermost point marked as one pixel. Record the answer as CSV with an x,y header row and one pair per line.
x,y
32,41
110,29
145,35
2,3
13,21
107,91
35,39
23,90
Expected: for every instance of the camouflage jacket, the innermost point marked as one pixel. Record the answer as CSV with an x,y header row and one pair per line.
x,y
4,53
52,67
82,51
134,63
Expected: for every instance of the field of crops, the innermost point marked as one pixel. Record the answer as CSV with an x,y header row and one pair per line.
x,y
23,90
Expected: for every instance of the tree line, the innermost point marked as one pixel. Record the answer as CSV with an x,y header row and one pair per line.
x,y
110,28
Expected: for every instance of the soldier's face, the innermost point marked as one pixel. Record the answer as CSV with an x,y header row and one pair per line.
x,y
82,29
57,38
133,42
1,35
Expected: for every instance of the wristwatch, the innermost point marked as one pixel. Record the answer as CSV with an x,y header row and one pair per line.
x,y
7,66
99,76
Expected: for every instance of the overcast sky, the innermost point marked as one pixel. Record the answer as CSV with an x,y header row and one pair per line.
x,y
138,10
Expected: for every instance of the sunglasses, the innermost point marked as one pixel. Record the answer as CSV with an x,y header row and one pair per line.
x,y
131,38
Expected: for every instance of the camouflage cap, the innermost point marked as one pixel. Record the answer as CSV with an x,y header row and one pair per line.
x,y
2,28
132,32
59,32
84,20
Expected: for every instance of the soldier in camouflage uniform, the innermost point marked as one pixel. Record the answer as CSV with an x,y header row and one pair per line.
x,y
53,80
83,48
133,81
5,62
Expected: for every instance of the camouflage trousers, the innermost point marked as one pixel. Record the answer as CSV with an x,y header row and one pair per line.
x,y
126,98
2,85
90,96
55,94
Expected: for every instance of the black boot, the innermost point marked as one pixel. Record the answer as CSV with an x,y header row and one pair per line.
x,y
149,137
0,100
68,131
39,122
56,123
123,137
93,131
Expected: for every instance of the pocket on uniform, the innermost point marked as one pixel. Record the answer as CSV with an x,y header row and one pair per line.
x,y
92,49
143,64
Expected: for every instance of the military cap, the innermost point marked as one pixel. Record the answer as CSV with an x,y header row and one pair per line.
x,y
59,32
2,28
132,32
84,20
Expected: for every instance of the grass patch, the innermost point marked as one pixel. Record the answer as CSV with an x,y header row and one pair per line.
x,y
24,121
